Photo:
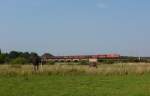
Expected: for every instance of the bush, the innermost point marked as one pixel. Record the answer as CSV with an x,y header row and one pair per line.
x,y
2,58
51,62
19,60
83,62
106,61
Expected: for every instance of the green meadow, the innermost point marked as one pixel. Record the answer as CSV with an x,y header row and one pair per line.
x,y
75,80
75,85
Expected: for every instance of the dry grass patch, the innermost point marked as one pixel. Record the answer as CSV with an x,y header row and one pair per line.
x,y
107,69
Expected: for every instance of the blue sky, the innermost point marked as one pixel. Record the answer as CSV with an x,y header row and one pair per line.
x,y
66,27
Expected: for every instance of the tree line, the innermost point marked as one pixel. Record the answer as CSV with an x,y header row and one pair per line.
x,y
16,57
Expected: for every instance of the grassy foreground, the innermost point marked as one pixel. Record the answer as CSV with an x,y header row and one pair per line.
x,y
75,85
63,69
75,80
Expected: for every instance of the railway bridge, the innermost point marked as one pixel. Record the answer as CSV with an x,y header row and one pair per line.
x,y
77,58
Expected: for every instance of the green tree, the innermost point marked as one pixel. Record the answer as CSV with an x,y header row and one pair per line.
x,y
13,54
2,58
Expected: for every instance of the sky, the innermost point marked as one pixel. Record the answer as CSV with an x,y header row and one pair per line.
x,y
69,27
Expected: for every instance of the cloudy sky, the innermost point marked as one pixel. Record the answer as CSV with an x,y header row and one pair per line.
x,y
64,27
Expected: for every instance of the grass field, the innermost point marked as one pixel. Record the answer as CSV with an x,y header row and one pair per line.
x,y
76,80
75,85
103,69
